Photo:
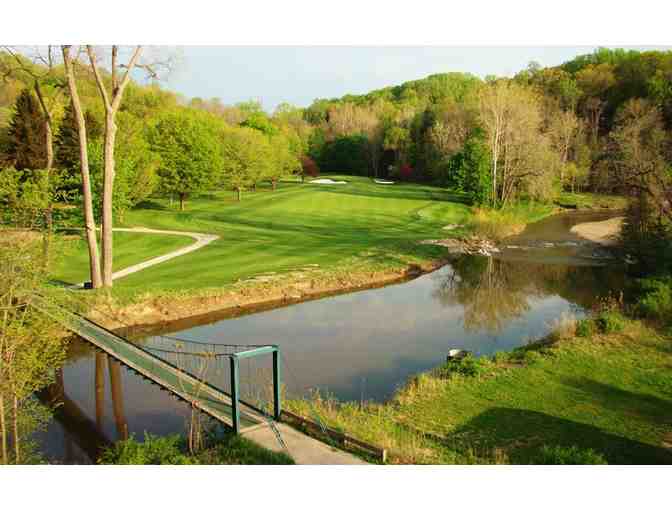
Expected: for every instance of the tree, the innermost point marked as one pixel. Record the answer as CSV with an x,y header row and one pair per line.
x,y
284,161
27,133
397,139
30,348
111,101
135,166
563,129
259,120
522,159
309,168
246,158
87,199
475,161
41,76
188,146
642,149
67,139
594,81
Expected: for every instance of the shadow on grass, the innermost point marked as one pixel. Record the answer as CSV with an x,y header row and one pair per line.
x,y
522,433
645,407
151,205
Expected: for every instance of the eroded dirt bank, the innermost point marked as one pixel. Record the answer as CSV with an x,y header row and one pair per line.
x,y
248,296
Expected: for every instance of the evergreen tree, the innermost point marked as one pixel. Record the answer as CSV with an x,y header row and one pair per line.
x,y
469,169
27,134
67,140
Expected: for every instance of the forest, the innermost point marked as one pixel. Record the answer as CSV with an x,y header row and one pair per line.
x,y
599,123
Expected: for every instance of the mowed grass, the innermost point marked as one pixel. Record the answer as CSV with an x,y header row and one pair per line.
x,y
297,225
72,263
610,393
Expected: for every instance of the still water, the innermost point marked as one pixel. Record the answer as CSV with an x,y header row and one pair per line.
x,y
354,346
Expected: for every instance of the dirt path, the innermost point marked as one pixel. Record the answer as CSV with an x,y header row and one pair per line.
x,y
201,241
601,232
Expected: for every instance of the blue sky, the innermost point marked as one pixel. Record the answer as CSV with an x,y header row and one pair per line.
x,y
298,75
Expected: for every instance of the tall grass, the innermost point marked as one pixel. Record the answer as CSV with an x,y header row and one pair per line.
x,y
496,224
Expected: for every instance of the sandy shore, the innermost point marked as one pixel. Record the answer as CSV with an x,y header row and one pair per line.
x,y
602,232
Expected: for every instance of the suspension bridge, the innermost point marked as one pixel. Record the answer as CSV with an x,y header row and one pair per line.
x,y
185,368
208,377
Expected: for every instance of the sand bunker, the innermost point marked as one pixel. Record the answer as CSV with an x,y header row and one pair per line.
x,y
602,232
327,181
382,181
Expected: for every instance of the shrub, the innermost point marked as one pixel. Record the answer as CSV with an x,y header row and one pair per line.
x,y
234,449
656,302
585,328
153,450
531,356
309,167
469,366
572,455
610,322
500,357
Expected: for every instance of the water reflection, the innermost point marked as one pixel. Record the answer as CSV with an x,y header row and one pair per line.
x,y
493,291
97,401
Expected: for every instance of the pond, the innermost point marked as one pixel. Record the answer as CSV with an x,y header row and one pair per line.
x,y
356,346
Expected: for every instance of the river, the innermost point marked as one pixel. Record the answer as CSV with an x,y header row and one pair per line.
x,y
356,346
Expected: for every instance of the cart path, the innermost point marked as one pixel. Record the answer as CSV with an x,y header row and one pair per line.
x,y
201,241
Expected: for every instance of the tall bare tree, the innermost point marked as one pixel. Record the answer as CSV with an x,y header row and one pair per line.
x,y
87,199
111,101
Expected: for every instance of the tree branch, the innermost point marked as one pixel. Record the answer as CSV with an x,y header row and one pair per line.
x,y
99,79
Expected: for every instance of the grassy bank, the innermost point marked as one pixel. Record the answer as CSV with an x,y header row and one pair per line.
x,y
496,224
591,201
172,450
599,393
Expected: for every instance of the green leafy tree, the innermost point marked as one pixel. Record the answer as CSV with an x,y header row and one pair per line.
x,y
345,154
188,146
259,120
284,160
397,139
246,158
30,348
136,166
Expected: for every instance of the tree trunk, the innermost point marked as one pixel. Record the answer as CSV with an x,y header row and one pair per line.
x,y
17,445
49,143
239,192
90,224
274,184
111,104
108,189
3,429
182,197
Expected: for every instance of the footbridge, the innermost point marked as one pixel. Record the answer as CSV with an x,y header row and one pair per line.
x,y
195,372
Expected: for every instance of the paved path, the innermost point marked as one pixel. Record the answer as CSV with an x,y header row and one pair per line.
x,y
302,448
201,241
